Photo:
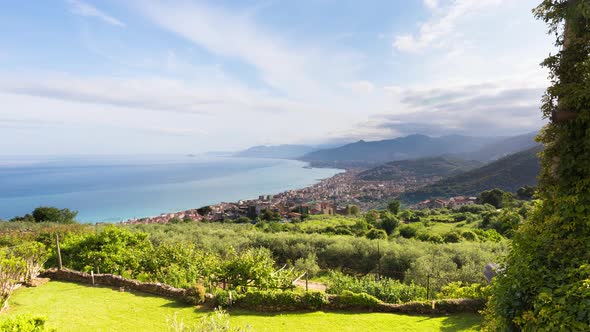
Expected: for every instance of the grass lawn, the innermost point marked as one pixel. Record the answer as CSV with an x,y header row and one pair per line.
x,y
74,307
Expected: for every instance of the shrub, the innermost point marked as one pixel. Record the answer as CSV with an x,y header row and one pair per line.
x,y
387,290
407,231
457,290
469,236
280,300
221,298
375,233
195,294
452,237
24,323
217,321
349,299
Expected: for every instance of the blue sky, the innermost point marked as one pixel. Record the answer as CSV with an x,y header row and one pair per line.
x,y
143,76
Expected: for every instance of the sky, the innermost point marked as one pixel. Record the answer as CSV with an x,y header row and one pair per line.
x,y
155,76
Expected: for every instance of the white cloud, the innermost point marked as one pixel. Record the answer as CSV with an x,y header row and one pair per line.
x,y
360,86
81,8
154,93
441,26
301,71
431,4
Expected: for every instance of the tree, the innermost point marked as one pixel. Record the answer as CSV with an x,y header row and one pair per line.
x,y
308,264
389,223
52,214
394,206
269,215
544,281
525,192
34,255
493,197
375,234
353,210
12,270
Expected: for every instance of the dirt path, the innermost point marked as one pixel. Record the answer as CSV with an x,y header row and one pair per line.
x,y
315,286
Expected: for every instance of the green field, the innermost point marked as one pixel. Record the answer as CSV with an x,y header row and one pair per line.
x,y
74,307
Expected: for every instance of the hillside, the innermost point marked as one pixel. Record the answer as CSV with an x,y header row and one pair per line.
x,y
409,147
285,151
503,148
508,173
421,168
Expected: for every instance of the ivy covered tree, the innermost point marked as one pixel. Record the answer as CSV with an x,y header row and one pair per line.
x,y
544,284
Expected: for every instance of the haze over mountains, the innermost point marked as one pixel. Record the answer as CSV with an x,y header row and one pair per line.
x,y
461,165
508,173
409,147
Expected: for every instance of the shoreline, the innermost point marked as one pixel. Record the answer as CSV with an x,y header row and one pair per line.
x,y
165,217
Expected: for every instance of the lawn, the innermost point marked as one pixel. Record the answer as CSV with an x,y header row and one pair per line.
x,y
74,307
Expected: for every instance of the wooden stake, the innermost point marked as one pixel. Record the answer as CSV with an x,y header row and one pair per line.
x,y
58,251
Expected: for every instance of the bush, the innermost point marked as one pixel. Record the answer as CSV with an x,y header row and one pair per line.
x,y
221,298
452,237
195,294
280,300
387,290
24,323
217,321
375,234
407,231
469,236
457,290
349,299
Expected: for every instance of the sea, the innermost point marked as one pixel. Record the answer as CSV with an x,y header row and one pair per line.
x,y
118,188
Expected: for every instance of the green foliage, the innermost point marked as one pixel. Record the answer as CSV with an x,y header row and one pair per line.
x,y
544,279
178,265
12,271
34,255
349,299
24,323
385,289
253,267
408,231
216,321
494,197
452,237
195,294
458,290
375,234
525,192
353,210
269,215
280,300
308,264
49,214
393,206
113,250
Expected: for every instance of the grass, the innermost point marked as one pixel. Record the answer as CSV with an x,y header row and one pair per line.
x,y
74,307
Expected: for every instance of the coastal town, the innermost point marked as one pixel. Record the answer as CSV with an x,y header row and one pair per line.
x,y
335,195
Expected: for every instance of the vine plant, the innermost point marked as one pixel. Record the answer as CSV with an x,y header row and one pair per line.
x,y
544,284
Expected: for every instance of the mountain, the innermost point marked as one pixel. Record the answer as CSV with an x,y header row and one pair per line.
x,y
508,173
503,148
285,151
419,168
409,147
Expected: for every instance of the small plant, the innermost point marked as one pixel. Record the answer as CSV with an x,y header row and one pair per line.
x,y
195,294
216,321
24,323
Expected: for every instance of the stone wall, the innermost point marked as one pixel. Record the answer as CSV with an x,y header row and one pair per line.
x,y
112,280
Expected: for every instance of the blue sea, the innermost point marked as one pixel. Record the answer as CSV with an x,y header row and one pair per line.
x,y
117,188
